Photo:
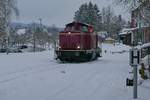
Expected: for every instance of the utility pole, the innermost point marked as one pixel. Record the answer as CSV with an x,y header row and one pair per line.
x,y
135,77
134,62
40,19
41,26
33,35
135,83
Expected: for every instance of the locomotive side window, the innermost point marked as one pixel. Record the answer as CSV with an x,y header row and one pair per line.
x,y
90,29
79,27
68,28
72,28
84,29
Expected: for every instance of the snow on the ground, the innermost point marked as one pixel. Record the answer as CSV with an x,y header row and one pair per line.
x,y
37,76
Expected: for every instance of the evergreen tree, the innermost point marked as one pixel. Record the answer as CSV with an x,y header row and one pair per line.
x,y
90,14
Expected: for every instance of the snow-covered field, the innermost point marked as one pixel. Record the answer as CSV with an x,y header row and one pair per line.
x,y
37,76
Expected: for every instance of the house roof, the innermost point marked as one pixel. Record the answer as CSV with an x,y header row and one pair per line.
x,y
127,31
21,31
145,45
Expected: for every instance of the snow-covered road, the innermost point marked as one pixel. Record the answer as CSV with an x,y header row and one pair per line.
x,y
37,76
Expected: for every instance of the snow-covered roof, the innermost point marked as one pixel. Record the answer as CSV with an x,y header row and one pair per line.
x,y
127,31
145,45
21,31
123,33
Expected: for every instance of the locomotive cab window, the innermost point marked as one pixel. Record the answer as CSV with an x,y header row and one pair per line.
x,y
68,28
84,29
79,27
72,28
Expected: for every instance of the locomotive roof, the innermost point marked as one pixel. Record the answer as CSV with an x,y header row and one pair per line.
x,y
83,24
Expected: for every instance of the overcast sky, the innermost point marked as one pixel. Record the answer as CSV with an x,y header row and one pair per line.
x,y
58,12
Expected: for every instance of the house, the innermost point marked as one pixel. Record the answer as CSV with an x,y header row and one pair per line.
x,y
21,31
140,19
125,35
139,31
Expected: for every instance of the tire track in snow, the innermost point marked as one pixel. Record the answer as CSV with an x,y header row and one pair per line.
x,y
22,70
27,71
30,70
60,91
84,79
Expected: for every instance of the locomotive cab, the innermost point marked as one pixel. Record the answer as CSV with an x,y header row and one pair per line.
x,y
78,42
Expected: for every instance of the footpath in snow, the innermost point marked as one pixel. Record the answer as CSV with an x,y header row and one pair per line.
x,y
37,76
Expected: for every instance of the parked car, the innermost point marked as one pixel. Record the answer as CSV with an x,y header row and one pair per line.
x,y
14,50
23,47
2,50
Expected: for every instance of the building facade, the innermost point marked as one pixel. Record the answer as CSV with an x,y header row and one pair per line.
x,y
140,20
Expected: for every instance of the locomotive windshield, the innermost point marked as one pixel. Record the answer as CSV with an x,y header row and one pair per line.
x,y
78,27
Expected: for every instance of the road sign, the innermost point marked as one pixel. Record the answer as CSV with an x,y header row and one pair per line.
x,y
134,57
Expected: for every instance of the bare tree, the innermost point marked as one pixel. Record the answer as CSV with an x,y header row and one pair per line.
x,y
142,7
7,9
132,3
110,22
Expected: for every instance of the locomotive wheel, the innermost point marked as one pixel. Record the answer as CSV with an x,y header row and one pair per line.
x,y
81,57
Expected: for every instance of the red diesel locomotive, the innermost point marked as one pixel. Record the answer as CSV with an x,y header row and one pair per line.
x,y
78,42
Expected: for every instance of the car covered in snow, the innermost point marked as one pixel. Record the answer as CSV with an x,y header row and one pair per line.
x,y
14,50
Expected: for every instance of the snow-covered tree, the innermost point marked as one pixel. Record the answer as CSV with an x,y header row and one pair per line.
x,y
7,8
132,3
89,13
142,5
111,22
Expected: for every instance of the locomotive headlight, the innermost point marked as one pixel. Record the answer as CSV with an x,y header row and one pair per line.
x,y
78,47
69,32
